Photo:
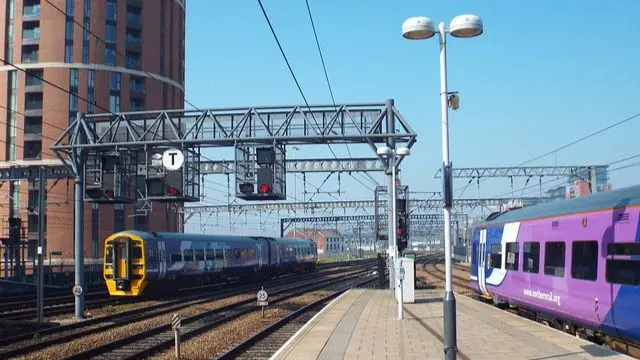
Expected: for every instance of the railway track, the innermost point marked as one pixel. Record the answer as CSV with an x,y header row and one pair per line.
x,y
33,341
263,344
148,342
23,307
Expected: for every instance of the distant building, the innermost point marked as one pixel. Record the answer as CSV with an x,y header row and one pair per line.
x,y
319,236
335,244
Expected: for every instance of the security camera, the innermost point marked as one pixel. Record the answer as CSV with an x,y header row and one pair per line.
x,y
454,101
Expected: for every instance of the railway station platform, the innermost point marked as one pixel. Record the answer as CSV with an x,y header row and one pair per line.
x,y
363,324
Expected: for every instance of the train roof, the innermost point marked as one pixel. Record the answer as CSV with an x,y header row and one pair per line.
x,y
147,235
621,198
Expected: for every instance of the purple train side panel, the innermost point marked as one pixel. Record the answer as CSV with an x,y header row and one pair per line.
x,y
576,264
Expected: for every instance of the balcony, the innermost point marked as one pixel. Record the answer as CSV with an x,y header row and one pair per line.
x,y
31,12
33,105
133,63
31,36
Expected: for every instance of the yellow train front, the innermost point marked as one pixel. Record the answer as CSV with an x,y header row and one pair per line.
x,y
155,263
124,264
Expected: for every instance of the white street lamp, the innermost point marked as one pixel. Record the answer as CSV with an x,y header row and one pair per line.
x,y
419,28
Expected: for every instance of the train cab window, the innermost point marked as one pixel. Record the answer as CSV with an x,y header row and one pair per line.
x,y
554,258
219,255
625,272
584,260
137,252
176,257
199,254
188,254
511,262
531,257
109,255
495,256
210,254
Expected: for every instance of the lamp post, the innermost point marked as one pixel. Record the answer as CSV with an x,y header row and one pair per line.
x,y
392,155
419,28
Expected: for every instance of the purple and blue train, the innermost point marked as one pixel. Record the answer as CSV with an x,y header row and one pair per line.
x,y
136,262
573,264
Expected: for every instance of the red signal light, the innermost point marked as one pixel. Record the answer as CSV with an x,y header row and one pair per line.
x,y
264,188
400,232
108,193
172,191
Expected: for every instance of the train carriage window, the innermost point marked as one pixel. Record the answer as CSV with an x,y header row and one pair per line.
x,y
584,260
188,254
495,256
219,255
199,254
252,253
176,257
626,272
554,258
210,253
136,252
531,257
630,248
511,262
237,253
151,256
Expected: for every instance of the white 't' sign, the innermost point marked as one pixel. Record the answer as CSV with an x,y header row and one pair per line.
x,y
172,159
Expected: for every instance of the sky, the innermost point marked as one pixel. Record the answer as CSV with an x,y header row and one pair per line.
x,y
542,75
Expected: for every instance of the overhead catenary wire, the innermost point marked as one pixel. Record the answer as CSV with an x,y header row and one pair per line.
x,y
275,36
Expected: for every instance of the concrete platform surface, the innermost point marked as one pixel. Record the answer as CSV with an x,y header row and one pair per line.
x,y
363,324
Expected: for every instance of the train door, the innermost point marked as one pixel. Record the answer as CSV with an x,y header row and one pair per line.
x,y
162,259
482,262
121,263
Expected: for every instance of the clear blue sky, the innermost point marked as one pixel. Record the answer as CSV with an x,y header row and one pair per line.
x,y
543,74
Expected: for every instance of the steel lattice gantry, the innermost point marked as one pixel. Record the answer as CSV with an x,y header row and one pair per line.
x,y
414,204
527,171
119,142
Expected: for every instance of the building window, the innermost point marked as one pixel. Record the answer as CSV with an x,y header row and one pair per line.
x,y
85,31
554,258
111,34
33,125
136,84
115,82
512,256
68,53
136,105
33,101
133,60
109,56
31,31
32,149
70,7
73,103
34,77
73,78
111,10
531,257
9,31
114,103
91,74
30,54
584,260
